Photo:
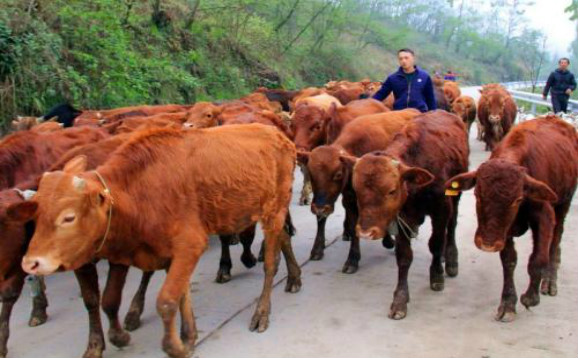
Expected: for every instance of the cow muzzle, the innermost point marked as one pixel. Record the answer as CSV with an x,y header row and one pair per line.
x,y
39,265
489,246
373,233
494,119
321,211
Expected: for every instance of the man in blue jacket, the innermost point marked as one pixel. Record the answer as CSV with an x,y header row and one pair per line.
x,y
561,83
412,87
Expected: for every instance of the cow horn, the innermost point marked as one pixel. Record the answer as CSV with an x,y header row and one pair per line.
x,y
78,183
26,194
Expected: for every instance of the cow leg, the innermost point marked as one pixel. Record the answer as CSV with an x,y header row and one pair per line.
x,y
225,264
542,234
111,299
509,257
189,245
451,251
247,237
38,315
7,306
132,319
87,278
404,257
307,189
350,204
549,285
318,249
437,243
272,228
346,225
188,326
294,271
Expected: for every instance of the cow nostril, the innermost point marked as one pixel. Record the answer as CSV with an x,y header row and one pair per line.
x,y
34,265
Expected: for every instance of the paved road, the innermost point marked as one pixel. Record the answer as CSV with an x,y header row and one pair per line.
x,y
335,314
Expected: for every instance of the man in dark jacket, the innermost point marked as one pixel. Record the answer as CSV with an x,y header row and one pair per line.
x,y
561,83
412,87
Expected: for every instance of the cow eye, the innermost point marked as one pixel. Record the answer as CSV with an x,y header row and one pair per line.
x,y
392,192
209,115
68,219
316,127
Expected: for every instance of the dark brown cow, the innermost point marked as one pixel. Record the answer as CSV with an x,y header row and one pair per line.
x,y
331,174
528,183
465,108
280,96
441,100
204,191
338,117
26,154
496,112
398,187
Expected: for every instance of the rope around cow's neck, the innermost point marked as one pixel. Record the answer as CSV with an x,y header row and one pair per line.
x,y
107,192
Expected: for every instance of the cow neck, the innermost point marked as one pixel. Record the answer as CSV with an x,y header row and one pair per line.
x,y
108,194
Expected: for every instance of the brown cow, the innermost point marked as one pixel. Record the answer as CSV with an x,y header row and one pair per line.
x,y
304,93
338,117
309,130
398,187
496,112
112,213
451,91
465,108
528,183
115,114
331,174
206,114
27,153
260,101
264,117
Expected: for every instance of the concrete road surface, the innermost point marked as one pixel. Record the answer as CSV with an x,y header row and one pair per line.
x,y
335,314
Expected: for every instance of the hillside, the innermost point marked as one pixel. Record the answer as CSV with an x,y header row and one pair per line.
x,y
109,53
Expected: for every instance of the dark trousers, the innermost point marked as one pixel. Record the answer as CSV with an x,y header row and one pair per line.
x,y
560,102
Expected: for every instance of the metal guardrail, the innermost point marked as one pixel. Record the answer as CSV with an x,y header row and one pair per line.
x,y
534,98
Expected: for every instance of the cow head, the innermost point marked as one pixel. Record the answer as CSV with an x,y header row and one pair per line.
x,y
203,115
308,126
330,169
382,185
460,108
496,102
71,213
500,188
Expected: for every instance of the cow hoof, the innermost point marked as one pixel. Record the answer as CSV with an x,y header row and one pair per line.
x,y
549,288
177,352
530,300
388,242
119,338
398,312
436,281
3,352
223,276
345,237
505,314
451,269
248,260
38,319
132,321
93,353
350,268
316,255
259,322
293,284
304,201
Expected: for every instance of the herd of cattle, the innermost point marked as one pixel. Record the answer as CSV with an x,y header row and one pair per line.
x,y
145,186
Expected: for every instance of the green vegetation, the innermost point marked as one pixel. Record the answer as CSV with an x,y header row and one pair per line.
x,y
109,53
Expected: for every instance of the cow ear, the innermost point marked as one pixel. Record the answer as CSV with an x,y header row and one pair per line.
x,y
416,175
76,165
303,157
464,181
348,160
23,211
538,190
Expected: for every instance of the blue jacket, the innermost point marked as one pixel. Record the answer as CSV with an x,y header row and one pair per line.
x,y
421,92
